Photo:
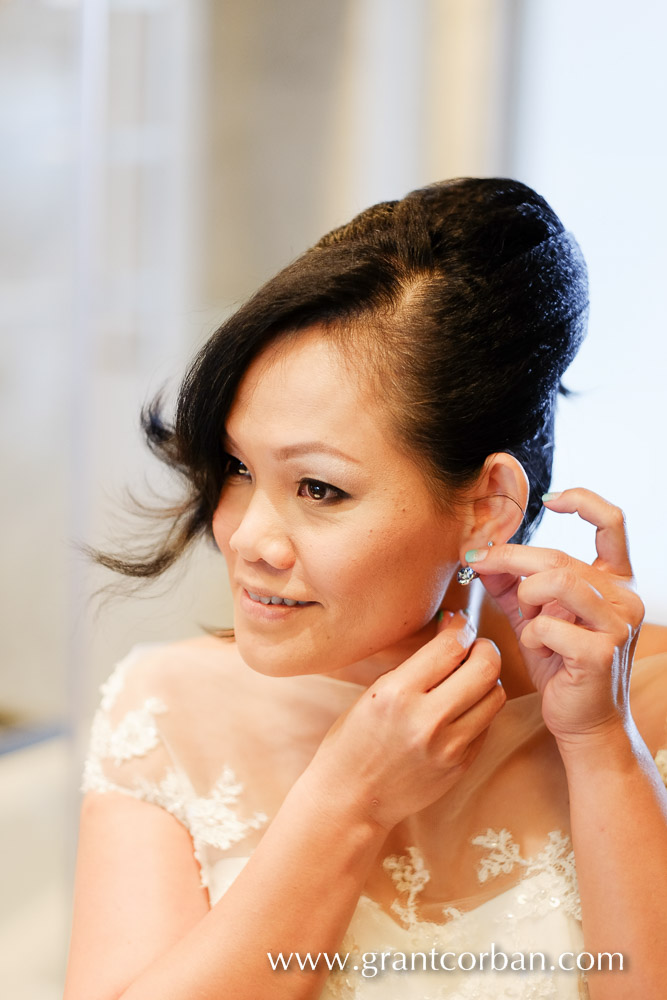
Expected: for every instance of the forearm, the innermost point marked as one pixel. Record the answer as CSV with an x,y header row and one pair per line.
x,y
296,894
619,831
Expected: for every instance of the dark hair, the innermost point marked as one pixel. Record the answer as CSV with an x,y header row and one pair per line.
x,y
472,300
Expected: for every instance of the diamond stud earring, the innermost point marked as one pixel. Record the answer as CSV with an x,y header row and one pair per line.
x,y
466,573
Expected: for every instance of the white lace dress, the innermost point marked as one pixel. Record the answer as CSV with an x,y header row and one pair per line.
x,y
488,870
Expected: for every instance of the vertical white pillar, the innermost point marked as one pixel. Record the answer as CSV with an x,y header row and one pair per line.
x,y
376,137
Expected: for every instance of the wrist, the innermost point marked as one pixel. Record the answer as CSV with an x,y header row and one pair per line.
x,y
614,744
338,808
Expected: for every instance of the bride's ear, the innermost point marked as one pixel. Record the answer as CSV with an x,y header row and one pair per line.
x,y
499,502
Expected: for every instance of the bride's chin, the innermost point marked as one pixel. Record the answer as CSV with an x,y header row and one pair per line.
x,y
272,660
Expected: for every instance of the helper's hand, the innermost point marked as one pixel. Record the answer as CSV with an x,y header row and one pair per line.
x,y
416,730
577,623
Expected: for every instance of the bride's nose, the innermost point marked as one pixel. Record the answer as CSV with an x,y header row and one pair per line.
x,y
262,535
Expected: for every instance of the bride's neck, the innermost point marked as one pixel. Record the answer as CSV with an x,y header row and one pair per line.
x,y
491,624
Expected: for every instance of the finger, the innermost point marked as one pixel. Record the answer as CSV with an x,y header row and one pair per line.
x,y
579,648
464,688
573,593
611,539
465,736
515,561
502,588
440,657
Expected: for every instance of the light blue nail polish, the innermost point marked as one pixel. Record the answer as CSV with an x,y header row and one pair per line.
x,y
520,612
475,555
549,496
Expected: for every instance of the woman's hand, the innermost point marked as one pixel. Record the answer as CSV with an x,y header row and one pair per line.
x,y
577,624
415,731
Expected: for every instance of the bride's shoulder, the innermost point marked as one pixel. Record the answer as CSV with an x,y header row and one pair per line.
x,y
202,652
173,671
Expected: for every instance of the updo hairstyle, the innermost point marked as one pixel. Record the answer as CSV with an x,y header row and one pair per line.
x,y
465,301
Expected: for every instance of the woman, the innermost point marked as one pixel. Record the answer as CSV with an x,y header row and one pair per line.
x,y
354,796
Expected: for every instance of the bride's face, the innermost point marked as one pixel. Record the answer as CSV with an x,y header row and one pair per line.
x,y
321,509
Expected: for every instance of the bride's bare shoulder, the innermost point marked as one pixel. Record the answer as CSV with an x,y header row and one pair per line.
x,y
208,645
170,666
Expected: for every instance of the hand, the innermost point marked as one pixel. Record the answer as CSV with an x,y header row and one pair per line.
x,y
577,624
415,731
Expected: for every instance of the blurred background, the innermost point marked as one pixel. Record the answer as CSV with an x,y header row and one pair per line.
x,y
158,160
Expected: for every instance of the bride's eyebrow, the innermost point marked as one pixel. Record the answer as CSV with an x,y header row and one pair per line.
x,y
312,448
302,448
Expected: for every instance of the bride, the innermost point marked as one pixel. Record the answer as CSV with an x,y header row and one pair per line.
x,y
351,794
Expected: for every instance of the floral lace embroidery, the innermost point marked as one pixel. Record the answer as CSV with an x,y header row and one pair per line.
x,y
211,820
512,984
114,685
213,817
409,874
548,881
557,882
504,854
135,736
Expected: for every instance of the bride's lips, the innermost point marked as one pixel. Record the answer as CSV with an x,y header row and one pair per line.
x,y
269,612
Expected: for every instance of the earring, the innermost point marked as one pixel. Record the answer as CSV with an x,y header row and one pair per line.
x,y
466,574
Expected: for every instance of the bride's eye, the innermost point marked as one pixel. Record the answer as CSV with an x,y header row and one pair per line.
x,y
313,489
234,468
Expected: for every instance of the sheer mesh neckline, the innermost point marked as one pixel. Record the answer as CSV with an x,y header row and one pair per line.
x,y
218,746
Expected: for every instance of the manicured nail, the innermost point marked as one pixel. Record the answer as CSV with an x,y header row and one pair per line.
x,y
476,555
546,497
520,612
440,615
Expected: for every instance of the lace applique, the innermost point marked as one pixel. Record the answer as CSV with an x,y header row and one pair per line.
x,y
410,875
114,685
556,881
504,854
341,986
135,735
548,881
511,984
210,820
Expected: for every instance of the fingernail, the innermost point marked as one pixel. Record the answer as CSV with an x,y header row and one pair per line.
x,y
476,555
550,496
442,614
520,612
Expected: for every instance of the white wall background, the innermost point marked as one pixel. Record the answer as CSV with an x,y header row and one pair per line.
x,y
589,135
